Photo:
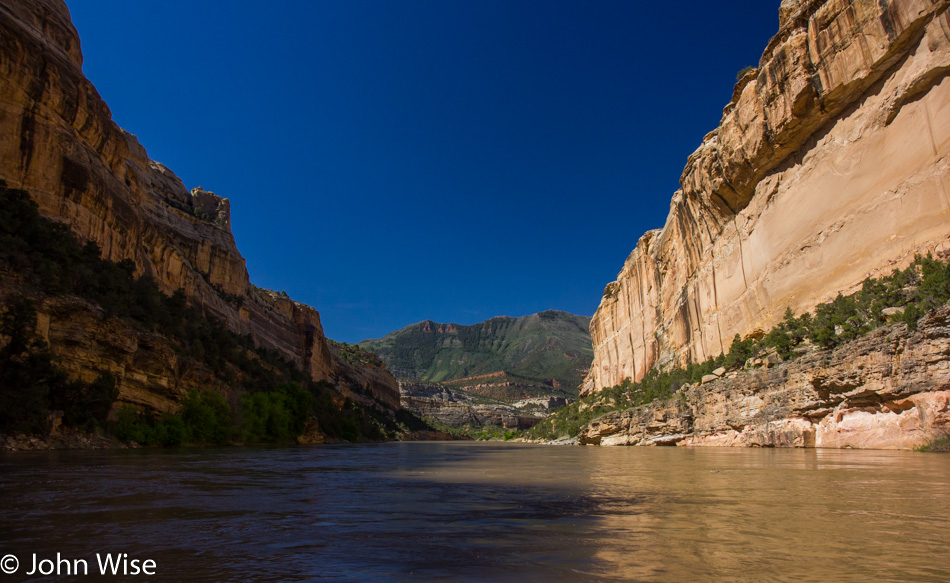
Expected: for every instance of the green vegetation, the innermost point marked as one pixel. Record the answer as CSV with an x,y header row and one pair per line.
x,y
409,421
273,399
354,354
493,433
485,432
941,444
742,72
570,420
489,433
30,385
920,288
278,416
549,352
206,417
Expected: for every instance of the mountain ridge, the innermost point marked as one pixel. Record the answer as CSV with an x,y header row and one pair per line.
x,y
456,324
549,350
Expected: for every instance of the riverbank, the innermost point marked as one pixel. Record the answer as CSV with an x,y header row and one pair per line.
x,y
71,439
66,439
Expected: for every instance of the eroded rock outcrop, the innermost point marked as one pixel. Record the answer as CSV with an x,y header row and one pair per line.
x,y
59,143
830,165
887,390
458,409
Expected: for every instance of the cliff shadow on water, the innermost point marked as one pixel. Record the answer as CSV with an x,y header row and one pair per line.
x,y
487,512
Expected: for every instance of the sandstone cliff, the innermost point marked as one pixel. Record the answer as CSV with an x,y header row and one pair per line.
x,y
887,390
830,165
59,143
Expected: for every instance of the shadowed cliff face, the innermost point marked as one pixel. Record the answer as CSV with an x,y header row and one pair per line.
x,y
58,142
830,165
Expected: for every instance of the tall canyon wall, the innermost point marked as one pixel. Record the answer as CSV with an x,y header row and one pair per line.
x,y
830,165
59,143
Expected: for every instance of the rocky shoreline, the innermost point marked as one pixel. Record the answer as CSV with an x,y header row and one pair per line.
x,y
889,389
67,439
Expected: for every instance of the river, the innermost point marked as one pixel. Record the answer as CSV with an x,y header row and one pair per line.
x,y
479,512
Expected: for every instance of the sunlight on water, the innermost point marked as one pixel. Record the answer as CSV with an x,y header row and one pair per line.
x,y
486,512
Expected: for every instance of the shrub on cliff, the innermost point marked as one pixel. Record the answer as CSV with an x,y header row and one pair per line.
x,y
354,354
740,351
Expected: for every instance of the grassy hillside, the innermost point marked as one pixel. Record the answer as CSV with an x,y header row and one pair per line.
x,y
543,353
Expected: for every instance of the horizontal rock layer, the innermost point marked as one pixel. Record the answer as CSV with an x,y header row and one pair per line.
x,y
887,390
830,165
459,410
59,143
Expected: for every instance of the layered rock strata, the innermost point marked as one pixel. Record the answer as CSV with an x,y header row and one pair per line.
x,y
887,390
830,165
59,143
457,409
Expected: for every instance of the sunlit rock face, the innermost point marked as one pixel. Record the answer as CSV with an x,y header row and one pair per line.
x,y
58,142
887,390
830,165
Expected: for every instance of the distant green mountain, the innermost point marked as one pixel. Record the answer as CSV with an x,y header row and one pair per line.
x,y
541,354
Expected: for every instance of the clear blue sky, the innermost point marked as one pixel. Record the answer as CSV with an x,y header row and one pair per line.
x,y
390,161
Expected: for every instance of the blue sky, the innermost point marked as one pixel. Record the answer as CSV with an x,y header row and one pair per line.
x,y
390,161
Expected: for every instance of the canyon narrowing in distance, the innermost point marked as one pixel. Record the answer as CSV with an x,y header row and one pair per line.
x,y
785,204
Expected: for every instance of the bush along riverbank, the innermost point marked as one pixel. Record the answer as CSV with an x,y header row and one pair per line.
x,y
903,297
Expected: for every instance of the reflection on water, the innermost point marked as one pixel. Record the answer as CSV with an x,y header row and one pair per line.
x,y
486,512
